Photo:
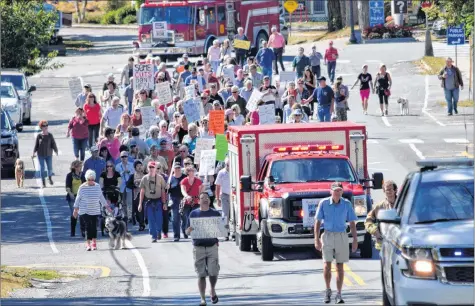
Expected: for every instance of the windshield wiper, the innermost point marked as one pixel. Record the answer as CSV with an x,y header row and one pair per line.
x,y
439,220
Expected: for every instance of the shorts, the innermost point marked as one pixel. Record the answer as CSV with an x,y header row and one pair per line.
x,y
364,94
335,246
206,260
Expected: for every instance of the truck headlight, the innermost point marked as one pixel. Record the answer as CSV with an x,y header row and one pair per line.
x,y
275,208
179,37
360,206
420,263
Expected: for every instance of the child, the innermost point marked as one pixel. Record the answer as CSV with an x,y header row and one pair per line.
x,y
341,104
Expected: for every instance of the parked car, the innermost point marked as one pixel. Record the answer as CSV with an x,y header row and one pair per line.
x,y
9,142
428,240
11,101
19,80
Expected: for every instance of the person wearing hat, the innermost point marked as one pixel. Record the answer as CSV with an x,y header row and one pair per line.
x,y
134,153
331,55
110,78
155,157
235,98
82,97
95,163
335,211
125,169
134,184
341,99
325,98
297,115
185,61
366,86
265,57
315,58
127,72
300,62
213,94
108,94
270,92
174,190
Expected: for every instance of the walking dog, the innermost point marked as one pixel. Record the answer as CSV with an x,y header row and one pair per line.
x,y
19,173
117,233
403,106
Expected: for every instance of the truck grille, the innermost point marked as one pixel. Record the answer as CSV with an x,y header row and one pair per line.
x,y
295,211
459,274
464,252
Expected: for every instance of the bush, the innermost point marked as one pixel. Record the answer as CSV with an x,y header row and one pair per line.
x,y
108,18
94,19
391,30
129,19
123,12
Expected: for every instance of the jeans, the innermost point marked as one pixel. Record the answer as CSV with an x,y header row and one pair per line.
x,y
215,66
176,217
452,98
331,66
184,217
127,204
324,114
79,147
93,133
316,71
278,52
155,217
49,163
240,58
130,107
166,219
267,71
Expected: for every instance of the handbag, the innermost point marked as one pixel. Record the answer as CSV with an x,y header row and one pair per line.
x,y
387,92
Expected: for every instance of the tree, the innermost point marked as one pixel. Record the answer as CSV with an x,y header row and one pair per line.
x,y
344,11
363,14
25,29
81,13
334,16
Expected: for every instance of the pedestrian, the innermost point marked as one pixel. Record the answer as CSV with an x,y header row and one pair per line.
x,y
335,211
93,111
134,184
110,79
152,190
371,226
206,105
110,178
265,57
127,72
190,189
277,43
129,95
74,180
109,94
205,251
105,154
269,91
125,169
238,117
95,162
125,123
299,63
452,82
143,99
296,116
240,53
324,96
204,131
331,55
44,147
239,80
341,100
174,190
82,97
234,99
111,117
192,137
303,94
111,142
226,49
365,80
223,191
382,85
315,58
79,132
88,206
155,157
214,55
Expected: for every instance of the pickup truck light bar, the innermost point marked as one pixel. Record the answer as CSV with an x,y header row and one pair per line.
x,y
308,148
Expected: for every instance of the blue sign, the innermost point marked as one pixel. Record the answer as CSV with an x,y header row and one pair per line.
x,y
456,35
376,13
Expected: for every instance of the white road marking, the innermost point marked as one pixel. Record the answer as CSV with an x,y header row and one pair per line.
x,y
414,140
426,101
93,72
416,150
460,140
374,141
386,121
374,163
145,275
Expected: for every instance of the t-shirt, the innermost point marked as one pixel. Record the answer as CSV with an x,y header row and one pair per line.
x,y
175,187
323,96
331,54
153,186
193,190
198,213
112,116
113,147
110,181
365,79
223,180
450,79
93,113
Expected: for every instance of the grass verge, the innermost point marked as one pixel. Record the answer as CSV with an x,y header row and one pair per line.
x,y
431,64
77,44
462,103
308,24
313,36
17,278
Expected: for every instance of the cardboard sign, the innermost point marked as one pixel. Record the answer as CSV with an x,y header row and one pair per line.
x,y
228,74
210,227
267,114
75,87
159,30
148,117
164,94
221,147
287,76
192,110
242,44
143,77
207,162
216,121
201,145
309,207
190,92
252,103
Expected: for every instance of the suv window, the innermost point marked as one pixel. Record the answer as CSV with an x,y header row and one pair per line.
x,y
402,195
4,122
18,80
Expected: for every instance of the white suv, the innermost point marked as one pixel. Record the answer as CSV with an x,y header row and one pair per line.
x,y
19,80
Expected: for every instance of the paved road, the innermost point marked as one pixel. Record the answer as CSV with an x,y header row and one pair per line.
x,y
35,222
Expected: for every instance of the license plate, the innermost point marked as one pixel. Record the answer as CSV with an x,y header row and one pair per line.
x,y
298,229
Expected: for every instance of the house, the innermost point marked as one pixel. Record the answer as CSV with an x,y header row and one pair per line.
x,y
308,10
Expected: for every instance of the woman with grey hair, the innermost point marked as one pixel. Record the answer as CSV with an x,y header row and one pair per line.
x,y
153,136
191,138
88,205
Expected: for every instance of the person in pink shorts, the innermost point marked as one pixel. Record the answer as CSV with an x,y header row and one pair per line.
x,y
366,86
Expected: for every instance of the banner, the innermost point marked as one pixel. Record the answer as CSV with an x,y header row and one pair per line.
x,y
309,207
210,227
242,44
143,77
75,87
256,95
192,110
207,162
216,121
164,94
267,114
221,147
148,117
202,144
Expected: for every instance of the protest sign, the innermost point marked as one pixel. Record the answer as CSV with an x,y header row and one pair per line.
x,y
164,94
216,121
287,76
309,207
221,147
267,114
143,77
75,87
256,95
192,110
159,30
210,227
241,44
228,74
148,117
202,144
207,162
190,92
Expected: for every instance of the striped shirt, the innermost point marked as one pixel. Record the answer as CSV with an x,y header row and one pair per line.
x,y
90,200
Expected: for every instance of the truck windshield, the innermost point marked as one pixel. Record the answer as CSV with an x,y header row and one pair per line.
x,y
172,15
17,80
312,170
442,201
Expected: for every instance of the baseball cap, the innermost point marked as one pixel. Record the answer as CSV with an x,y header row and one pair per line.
x,y
151,164
176,165
266,77
297,111
110,75
337,185
135,132
185,55
124,154
339,78
322,78
94,149
87,85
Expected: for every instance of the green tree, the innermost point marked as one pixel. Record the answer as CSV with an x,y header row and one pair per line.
x,y
455,12
25,29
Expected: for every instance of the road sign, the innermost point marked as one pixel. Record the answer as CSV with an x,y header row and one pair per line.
x,y
291,5
376,13
456,35
400,6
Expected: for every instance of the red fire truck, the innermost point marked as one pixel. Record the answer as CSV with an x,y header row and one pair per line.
x,y
280,172
192,26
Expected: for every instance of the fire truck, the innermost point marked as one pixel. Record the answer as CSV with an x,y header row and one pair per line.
x,y
279,173
192,26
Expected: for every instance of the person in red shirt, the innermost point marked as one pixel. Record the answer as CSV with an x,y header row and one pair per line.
x,y
78,129
191,187
93,112
331,55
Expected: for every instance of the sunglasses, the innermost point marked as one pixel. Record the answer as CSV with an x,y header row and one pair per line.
x,y
123,156
44,125
151,167
203,98
110,166
182,151
137,110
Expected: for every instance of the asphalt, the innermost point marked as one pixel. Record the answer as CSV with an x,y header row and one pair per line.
x,y
163,273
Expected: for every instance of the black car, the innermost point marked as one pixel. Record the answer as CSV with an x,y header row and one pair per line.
x,y
9,142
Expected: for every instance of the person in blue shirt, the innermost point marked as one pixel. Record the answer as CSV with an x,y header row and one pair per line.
x,y
265,58
334,212
205,251
325,98
95,163
194,76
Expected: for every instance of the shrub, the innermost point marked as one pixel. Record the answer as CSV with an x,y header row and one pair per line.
x,y
391,30
123,12
95,19
129,19
374,36
108,18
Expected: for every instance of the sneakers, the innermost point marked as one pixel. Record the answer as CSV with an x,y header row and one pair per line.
x,y
456,111
94,246
165,235
328,296
338,299
88,246
154,240
365,112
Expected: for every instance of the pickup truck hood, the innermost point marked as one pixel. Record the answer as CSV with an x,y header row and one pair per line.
x,y
438,234
9,101
280,189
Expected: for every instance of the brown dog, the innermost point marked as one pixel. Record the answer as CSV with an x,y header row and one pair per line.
x,y
19,172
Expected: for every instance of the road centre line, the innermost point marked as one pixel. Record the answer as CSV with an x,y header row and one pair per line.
x,y
466,154
349,274
346,280
460,140
426,101
416,150
143,267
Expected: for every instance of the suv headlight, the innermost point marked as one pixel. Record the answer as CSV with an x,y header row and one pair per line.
x,y
420,263
360,205
275,208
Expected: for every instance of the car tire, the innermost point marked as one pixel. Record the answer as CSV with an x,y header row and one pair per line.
x,y
244,243
267,248
27,121
366,248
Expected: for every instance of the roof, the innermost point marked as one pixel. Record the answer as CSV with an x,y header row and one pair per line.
x,y
448,175
10,71
295,127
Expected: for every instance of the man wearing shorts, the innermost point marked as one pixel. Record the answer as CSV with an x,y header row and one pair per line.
x,y
335,211
205,251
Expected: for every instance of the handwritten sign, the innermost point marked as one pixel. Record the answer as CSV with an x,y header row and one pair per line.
x,y
164,94
75,87
211,227
202,144
207,162
309,207
256,95
221,147
242,44
192,110
267,114
287,76
216,121
148,117
159,30
190,92
143,77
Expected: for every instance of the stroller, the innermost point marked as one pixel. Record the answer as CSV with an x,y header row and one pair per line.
x,y
114,196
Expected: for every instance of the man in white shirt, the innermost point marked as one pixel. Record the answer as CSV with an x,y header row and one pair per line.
x,y
126,169
111,117
223,190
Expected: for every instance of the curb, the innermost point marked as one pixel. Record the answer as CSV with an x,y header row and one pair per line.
x,y
101,26
390,40
426,66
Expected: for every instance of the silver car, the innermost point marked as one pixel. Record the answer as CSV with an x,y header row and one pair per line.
x,y
24,90
11,102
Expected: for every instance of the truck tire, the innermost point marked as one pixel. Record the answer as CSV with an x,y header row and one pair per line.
x,y
244,242
267,249
366,248
262,36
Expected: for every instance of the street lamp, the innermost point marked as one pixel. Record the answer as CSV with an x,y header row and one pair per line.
x,y
352,25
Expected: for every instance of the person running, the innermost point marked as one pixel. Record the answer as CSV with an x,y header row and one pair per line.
x,y
366,86
382,85
44,147
452,82
74,180
331,55
79,132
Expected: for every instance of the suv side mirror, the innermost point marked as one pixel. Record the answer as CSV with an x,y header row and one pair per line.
x,y
246,183
18,126
32,88
388,216
378,180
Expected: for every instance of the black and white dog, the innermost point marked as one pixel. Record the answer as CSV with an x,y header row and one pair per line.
x,y
403,106
117,232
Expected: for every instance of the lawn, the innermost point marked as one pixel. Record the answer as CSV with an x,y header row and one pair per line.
x,y
434,64
77,44
312,36
17,278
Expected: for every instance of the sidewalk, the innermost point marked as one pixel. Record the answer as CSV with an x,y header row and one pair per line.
x,y
105,26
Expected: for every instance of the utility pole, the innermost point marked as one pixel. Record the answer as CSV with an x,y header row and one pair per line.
x,y
353,39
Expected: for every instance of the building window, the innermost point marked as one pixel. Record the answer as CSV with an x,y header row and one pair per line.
x,y
319,6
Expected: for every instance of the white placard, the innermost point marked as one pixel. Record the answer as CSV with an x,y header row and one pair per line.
x,y
148,117
287,76
267,114
228,74
160,30
199,80
75,87
203,144
143,77
190,92
192,110
209,227
256,95
207,162
309,207
164,94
